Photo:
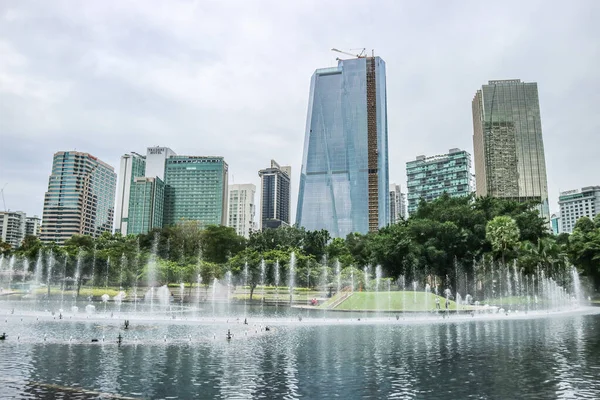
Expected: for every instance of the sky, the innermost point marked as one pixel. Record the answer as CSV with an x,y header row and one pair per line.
x,y
231,78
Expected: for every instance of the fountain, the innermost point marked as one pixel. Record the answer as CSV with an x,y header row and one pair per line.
x,y
292,276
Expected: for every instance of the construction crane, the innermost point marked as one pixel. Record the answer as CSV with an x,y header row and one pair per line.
x,y
362,54
2,192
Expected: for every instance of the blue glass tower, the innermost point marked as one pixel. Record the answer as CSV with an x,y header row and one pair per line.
x,y
344,179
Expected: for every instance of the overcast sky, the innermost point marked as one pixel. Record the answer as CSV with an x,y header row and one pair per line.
x,y
231,78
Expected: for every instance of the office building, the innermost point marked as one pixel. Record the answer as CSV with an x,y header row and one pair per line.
x,y
574,204
397,204
196,190
12,227
33,226
508,144
275,199
555,223
344,182
146,205
241,208
133,165
80,197
430,177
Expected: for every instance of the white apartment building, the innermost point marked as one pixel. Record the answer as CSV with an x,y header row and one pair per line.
x,y
241,210
397,203
574,204
12,227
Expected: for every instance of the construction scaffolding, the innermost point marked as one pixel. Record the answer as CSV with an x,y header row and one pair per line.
x,y
372,145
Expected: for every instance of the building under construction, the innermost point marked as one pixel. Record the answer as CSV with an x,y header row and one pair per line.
x,y
344,179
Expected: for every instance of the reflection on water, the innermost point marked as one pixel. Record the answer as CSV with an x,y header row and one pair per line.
x,y
556,357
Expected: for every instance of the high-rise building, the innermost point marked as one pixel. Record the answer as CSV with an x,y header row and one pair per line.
x,y
12,227
430,177
555,223
156,160
33,226
241,208
275,199
133,165
196,190
80,197
146,205
344,182
397,204
508,144
574,204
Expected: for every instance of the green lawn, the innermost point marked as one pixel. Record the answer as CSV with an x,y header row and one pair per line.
x,y
395,301
84,292
300,294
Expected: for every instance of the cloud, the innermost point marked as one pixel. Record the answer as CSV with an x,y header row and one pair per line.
x,y
232,78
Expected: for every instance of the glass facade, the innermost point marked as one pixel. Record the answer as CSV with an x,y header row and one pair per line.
x,y
275,196
344,183
196,189
80,197
430,177
146,205
132,166
508,144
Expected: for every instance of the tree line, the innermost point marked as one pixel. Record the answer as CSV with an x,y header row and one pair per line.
x,y
438,237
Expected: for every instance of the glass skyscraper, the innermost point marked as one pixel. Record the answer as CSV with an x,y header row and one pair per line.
x,y
508,145
344,182
196,190
275,196
146,205
80,197
430,177
133,165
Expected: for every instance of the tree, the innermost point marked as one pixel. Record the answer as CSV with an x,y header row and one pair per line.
x,y
503,234
584,225
218,243
4,247
393,248
359,247
584,248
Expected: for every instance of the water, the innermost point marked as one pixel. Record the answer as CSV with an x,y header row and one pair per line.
x,y
292,277
544,356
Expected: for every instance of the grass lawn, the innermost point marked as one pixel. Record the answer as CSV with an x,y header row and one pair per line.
x,y
300,294
395,301
84,292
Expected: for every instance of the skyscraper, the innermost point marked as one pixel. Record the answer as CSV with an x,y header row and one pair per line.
x,y
196,190
508,144
397,204
146,205
133,165
80,197
344,183
241,208
275,196
430,177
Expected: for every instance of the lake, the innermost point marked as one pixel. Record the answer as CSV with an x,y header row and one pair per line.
x,y
541,356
